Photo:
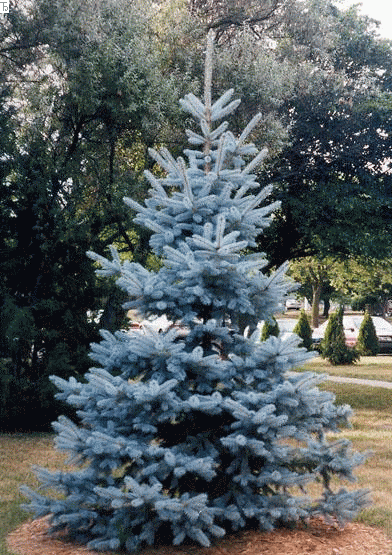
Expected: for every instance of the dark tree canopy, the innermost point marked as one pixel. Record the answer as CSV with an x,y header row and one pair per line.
x,y
333,176
85,87
227,16
88,87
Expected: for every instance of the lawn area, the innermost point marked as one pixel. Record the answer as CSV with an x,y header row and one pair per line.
x,y
18,452
371,430
370,368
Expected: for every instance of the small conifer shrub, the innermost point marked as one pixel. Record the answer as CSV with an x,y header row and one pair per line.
x,y
304,331
190,434
333,345
270,328
367,343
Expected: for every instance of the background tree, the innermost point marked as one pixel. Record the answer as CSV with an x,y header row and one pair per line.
x,y
367,343
84,86
270,328
333,345
227,17
304,331
364,282
339,138
315,273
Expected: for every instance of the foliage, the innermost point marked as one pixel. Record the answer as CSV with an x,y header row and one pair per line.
x,y
45,296
333,345
198,430
365,281
304,331
335,190
361,281
270,328
367,343
313,273
83,99
87,89
327,100
227,17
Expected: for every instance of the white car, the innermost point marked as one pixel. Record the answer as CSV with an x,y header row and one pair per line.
x,y
293,304
351,325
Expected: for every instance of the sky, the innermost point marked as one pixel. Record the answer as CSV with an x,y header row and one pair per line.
x,y
377,9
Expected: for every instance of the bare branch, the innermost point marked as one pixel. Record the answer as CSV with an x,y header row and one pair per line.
x,y
226,16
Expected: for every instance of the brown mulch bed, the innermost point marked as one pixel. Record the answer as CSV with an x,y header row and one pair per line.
x,y
317,538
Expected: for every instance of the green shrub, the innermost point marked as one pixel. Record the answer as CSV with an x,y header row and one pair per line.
x,y
333,346
27,402
368,344
303,330
270,327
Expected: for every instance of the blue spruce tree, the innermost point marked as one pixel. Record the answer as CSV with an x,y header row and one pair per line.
x,y
188,436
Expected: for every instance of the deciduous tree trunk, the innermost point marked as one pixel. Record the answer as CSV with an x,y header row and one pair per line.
x,y
316,288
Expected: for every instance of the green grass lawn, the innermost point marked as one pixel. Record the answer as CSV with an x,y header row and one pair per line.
x,y
370,368
18,452
371,430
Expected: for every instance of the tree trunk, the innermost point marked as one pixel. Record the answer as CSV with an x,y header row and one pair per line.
x,y
327,305
316,304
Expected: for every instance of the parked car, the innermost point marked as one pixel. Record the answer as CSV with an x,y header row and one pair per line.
x,y
293,304
351,325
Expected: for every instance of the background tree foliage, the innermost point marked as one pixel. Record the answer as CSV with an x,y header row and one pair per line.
x,y
367,343
270,328
88,87
333,346
361,282
331,176
366,282
85,88
304,331
314,275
